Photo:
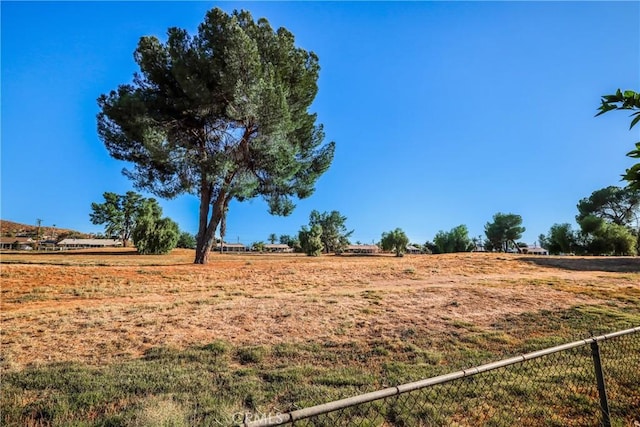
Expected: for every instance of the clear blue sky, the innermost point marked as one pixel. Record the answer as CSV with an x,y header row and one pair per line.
x,y
444,113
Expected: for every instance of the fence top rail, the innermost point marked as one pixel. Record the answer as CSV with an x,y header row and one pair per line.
x,y
417,385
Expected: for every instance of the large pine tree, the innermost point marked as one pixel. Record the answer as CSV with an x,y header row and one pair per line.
x,y
222,114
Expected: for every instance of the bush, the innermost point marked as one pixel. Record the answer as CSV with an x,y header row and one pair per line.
x,y
311,240
186,241
456,240
154,235
396,241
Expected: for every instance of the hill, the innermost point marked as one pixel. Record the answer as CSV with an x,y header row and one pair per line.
x,y
16,229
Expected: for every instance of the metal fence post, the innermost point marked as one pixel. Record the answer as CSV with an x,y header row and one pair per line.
x,y
602,391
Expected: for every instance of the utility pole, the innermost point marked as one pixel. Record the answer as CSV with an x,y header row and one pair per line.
x,y
39,221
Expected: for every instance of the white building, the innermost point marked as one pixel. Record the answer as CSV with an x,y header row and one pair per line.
x,y
534,250
277,247
231,247
89,243
362,249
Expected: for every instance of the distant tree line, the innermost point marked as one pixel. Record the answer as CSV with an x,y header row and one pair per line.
x,y
608,225
327,233
133,217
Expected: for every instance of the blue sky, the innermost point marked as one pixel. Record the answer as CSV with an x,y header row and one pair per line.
x,y
443,113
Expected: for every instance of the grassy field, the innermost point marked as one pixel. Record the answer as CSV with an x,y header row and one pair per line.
x,y
114,338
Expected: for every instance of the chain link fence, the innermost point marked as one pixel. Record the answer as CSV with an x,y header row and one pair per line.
x,y
590,382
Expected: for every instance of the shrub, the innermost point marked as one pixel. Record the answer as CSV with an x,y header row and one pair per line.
x,y
186,241
154,235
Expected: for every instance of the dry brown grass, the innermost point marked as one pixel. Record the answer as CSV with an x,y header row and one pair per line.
x,y
100,306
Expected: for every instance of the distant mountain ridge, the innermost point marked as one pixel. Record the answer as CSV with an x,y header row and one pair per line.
x,y
16,229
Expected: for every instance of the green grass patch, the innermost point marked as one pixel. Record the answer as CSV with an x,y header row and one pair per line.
x,y
212,383
251,355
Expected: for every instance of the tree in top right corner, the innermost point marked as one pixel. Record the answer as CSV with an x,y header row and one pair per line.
x,y
627,100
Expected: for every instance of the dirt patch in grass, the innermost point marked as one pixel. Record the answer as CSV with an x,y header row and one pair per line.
x,y
99,307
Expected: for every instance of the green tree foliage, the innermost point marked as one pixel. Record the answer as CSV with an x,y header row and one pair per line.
x,y
221,114
272,238
617,240
258,246
600,237
119,213
490,247
503,231
311,240
335,236
591,224
608,221
395,240
186,240
560,239
613,204
456,240
154,235
286,239
627,100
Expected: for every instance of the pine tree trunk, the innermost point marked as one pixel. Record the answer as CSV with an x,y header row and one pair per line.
x,y
223,223
518,249
203,248
206,237
223,231
202,239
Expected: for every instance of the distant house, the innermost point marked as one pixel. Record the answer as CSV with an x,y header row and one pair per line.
x,y
231,247
88,243
478,247
413,250
534,250
47,245
277,247
361,249
16,243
